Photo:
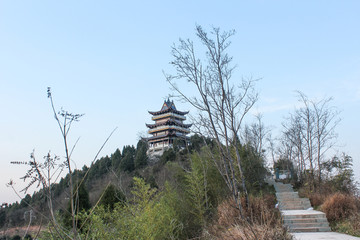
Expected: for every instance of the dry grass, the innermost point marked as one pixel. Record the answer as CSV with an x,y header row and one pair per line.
x,y
350,226
339,206
21,231
227,213
264,221
343,213
317,199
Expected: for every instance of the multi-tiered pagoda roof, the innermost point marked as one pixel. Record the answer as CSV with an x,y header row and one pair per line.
x,y
169,125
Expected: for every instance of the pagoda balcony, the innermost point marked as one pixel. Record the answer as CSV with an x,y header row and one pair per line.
x,y
168,115
162,128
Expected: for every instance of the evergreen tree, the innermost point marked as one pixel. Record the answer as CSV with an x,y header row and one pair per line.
x,y
111,196
253,166
25,201
127,159
2,217
115,159
140,155
168,155
82,203
105,165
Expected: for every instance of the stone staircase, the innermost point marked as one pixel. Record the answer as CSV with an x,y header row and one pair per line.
x,y
297,213
288,199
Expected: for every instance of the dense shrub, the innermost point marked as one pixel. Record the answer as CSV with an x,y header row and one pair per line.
x,y
350,226
339,206
227,213
111,196
149,215
317,199
264,221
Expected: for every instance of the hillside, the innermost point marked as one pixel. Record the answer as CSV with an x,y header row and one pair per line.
x,y
178,172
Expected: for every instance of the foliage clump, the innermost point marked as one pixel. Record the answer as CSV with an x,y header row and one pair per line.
x,y
339,206
265,221
147,216
111,197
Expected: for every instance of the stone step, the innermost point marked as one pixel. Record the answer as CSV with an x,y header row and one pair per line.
x,y
308,224
304,220
283,184
293,214
293,207
285,199
301,216
283,187
295,202
285,190
288,208
310,229
286,194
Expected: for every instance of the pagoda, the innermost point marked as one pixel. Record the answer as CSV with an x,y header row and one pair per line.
x,y
169,125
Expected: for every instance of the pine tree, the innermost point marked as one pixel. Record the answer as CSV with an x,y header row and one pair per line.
x,y
111,196
127,159
115,159
140,155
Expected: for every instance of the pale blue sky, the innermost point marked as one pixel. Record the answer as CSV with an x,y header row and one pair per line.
x,y
105,59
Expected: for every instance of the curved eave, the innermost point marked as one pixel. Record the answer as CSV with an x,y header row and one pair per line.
x,y
151,125
168,110
168,115
168,123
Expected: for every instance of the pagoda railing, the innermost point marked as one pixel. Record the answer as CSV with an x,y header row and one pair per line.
x,y
161,146
168,127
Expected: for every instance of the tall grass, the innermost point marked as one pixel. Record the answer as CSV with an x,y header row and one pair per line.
x,y
339,206
343,212
264,221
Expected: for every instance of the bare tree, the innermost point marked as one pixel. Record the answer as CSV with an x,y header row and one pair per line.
x,y
292,144
65,126
221,103
256,133
271,147
46,173
311,130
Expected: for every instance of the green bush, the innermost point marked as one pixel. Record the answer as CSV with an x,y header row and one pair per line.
x,y
147,216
